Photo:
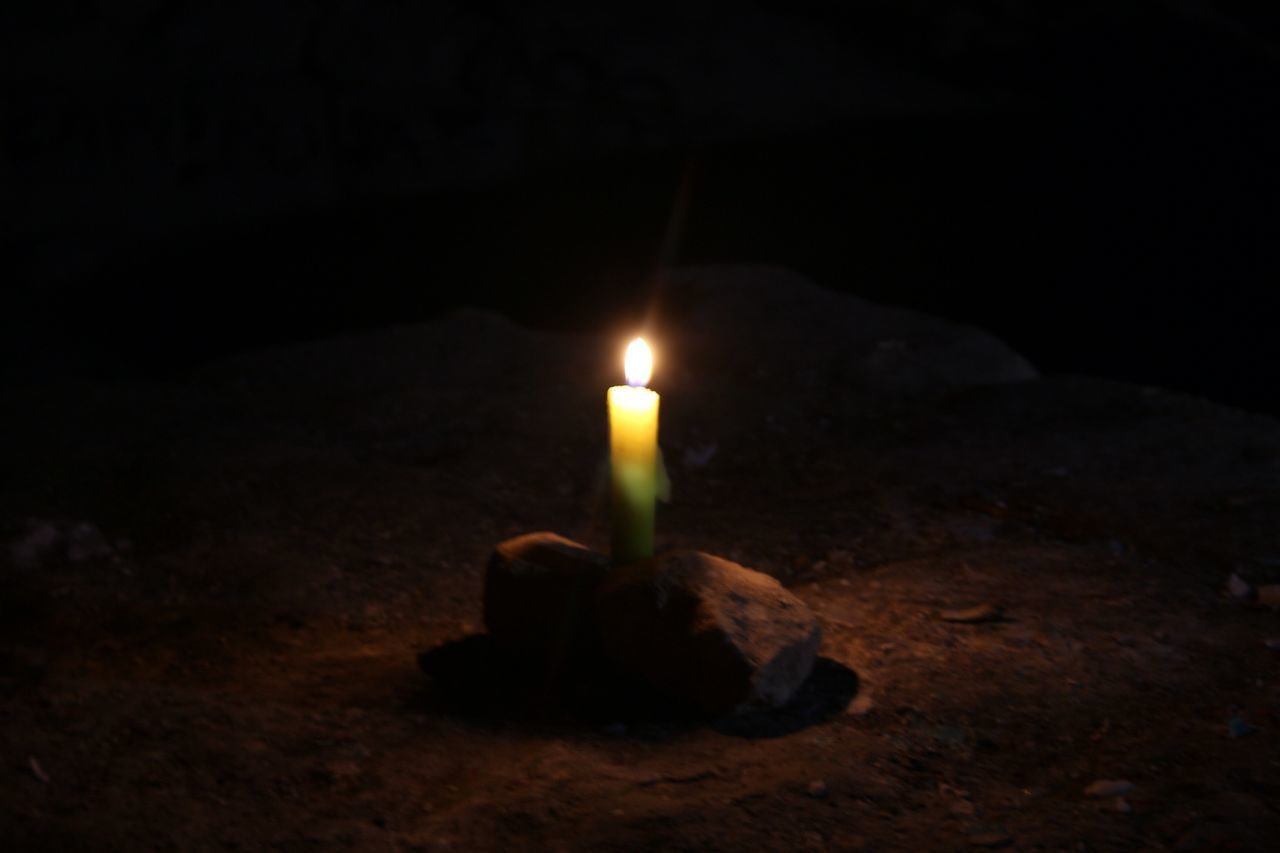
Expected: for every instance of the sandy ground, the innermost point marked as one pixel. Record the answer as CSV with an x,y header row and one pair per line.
x,y
234,664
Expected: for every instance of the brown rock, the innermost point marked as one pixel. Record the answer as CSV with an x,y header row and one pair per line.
x,y
708,631
537,597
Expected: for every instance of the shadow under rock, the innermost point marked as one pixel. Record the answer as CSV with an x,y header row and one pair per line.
x,y
471,679
825,693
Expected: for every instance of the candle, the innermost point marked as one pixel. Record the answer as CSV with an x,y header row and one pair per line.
x,y
633,457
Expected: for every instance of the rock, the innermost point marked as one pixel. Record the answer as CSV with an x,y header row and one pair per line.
x,y
708,631
36,770
1239,588
861,705
86,542
1109,788
980,613
817,789
537,597
677,778
32,549
728,314
46,540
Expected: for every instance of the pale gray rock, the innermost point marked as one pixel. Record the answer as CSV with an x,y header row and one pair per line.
x,y
708,631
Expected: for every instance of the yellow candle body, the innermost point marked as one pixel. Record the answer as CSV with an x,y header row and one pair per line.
x,y
633,471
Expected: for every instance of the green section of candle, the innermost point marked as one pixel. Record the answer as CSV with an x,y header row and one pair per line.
x,y
633,472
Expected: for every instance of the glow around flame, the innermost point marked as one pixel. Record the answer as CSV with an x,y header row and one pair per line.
x,y
638,363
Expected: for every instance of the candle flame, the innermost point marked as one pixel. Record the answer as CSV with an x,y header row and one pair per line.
x,y
638,363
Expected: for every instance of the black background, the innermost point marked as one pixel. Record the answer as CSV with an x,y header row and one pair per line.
x,y
1096,186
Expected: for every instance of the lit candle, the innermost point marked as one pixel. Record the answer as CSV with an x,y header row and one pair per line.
x,y
633,457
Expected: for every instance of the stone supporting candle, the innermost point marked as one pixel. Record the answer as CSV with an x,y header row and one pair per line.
x,y
633,458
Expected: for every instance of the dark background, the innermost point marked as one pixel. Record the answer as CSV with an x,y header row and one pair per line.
x,y
1095,185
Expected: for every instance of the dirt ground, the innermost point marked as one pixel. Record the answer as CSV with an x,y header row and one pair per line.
x,y
234,662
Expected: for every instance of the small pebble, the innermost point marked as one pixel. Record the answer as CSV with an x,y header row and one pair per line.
x,y
1109,788
817,789
1121,806
981,613
36,770
1238,587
